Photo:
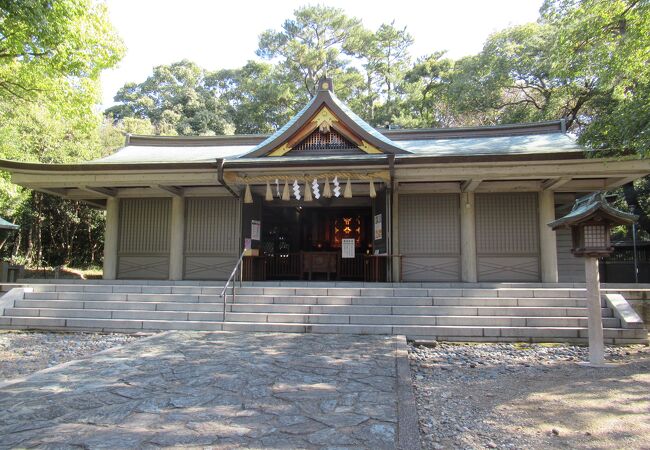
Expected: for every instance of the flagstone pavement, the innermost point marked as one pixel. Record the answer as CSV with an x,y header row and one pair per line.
x,y
218,390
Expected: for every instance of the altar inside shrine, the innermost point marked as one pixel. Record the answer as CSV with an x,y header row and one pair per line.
x,y
307,243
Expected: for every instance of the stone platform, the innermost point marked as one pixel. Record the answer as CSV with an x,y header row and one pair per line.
x,y
194,389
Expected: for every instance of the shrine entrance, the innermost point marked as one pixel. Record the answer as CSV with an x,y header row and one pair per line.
x,y
307,242
330,240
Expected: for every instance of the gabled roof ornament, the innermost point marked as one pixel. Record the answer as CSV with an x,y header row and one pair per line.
x,y
325,125
325,84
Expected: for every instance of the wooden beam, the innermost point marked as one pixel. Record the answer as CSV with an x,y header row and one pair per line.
x,y
175,191
509,186
93,203
429,188
57,192
108,192
611,183
470,185
554,183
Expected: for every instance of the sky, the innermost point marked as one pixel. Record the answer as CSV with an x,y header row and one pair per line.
x,y
224,34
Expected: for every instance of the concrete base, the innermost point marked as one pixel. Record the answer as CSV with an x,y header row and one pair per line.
x,y
597,366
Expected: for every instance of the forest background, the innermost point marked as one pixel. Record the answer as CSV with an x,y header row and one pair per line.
x,y
587,61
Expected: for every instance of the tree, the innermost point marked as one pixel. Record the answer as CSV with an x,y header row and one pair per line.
x,y
259,95
51,55
52,47
427,87
176,100
609,42
387,55
314,44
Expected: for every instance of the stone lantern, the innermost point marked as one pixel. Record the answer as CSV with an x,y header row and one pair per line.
x,y
590,221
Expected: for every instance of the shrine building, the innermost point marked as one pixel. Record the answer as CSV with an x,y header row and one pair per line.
x,y
329,197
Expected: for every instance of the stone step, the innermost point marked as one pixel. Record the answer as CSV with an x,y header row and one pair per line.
x,y
108,305
456,311
115,314
314,300
410,301
524,311
508,321
478,333
315,291
128,289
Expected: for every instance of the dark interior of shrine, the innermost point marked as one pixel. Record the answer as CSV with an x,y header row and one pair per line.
x,y
306,242
287,230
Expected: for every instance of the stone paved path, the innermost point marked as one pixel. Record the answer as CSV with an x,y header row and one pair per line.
x,y
222,390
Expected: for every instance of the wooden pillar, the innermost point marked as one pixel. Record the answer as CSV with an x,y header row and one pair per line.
x,y
468,238
110,238
595,320
547,243
177,238
396,263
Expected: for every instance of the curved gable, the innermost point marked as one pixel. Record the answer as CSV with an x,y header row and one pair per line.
x,y
325,126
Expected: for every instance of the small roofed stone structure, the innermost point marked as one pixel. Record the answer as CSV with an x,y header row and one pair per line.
x,y
590,221
8,272
4,225
5,229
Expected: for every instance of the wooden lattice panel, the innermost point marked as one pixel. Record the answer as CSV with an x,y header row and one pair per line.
x,y
145,226
318,141
429,224
507,224
212,226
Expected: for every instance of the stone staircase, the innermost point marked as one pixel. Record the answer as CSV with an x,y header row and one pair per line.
x,y
455,313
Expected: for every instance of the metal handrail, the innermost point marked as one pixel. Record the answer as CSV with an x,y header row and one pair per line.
x,y
223,295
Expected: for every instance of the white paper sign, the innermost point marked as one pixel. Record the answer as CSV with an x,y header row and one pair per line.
x,y
347,248
256,225
378,231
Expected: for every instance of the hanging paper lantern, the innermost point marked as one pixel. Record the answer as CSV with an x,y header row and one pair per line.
x,y
308,197
296,189
327,193
373,193
285,191
315,188
248,198
337,187
269,194
348,190
277,187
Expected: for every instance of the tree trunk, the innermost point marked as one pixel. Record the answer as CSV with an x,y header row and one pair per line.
x,y
632,200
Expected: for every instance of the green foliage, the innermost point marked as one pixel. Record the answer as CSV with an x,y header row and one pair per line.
x,y
57,232
51,48
312,45
259,96
176,100
51,55
386,53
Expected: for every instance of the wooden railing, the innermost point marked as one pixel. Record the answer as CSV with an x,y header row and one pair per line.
x,y
371,268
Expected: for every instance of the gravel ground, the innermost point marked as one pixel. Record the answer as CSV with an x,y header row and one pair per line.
x,y
23,353
515,396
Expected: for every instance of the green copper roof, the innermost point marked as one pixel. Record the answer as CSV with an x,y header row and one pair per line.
x,y
587,206
4,225
286,126
362,123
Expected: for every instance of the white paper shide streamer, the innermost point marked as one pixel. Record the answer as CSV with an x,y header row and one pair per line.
x,y
296,189
315,189
337,187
